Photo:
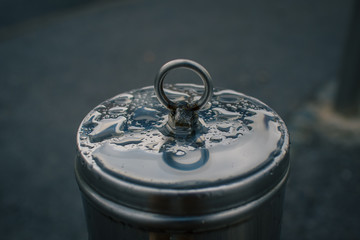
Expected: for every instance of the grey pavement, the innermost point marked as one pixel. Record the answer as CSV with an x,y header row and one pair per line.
x,y
56,68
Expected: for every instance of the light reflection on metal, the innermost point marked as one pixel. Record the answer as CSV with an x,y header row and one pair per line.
x,y
214,163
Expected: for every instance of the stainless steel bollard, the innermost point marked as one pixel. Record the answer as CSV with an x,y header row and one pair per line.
x,y
182,162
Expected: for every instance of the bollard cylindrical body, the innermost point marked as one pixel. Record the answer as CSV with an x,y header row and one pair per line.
x,y
181,162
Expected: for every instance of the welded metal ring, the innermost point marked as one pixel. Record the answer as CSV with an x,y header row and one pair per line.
x,y
183,63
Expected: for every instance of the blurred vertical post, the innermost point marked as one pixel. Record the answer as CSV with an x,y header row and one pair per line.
x,y
348,91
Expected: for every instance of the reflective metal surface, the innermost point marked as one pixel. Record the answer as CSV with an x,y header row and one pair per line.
x,y
183,63
181,163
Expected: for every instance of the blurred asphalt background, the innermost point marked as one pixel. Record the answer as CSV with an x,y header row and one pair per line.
x,y
58,59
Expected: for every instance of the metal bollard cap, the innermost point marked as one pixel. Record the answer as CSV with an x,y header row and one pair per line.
x,y
174,154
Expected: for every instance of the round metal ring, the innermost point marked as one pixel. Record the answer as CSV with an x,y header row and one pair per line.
x,y
183,63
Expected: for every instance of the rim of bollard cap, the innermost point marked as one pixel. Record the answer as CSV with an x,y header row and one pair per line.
x,y
236,154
